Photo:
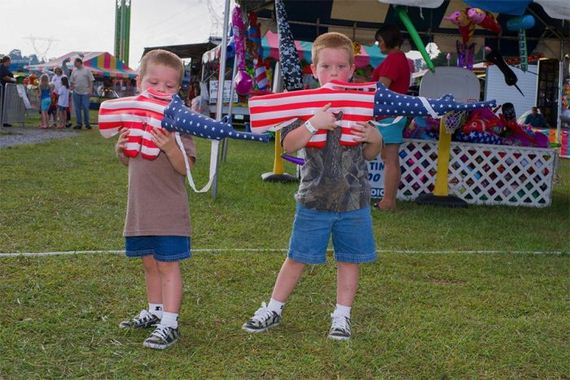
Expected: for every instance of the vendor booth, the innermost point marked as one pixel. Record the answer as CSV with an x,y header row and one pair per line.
x,y
479,172
113,78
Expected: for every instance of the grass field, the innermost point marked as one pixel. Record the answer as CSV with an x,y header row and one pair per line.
x,y
481,292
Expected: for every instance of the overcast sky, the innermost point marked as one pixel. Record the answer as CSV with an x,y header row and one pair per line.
x,y
88,25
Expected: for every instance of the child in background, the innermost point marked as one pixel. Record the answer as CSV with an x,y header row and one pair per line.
x,y
157,226
333,197
62,102
45,100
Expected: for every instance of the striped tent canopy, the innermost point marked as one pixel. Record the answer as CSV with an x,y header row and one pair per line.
x,y
368,55
101,64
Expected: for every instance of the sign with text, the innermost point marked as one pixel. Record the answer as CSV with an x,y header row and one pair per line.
x,y
376,178
225,96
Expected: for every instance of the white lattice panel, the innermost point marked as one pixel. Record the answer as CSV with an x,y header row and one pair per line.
x,y
481,174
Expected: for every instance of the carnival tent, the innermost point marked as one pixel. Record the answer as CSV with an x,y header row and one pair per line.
x,y
369,54
360,19
100,64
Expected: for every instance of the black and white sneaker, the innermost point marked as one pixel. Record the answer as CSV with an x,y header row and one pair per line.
x,y
162,337
340,328
143,320
262,320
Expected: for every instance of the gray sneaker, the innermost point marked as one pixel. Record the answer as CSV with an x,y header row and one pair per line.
x,y
262,320
340,328
143,320
162,337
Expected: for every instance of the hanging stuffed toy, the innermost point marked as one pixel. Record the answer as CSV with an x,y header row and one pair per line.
x,y
243,81
495,57
465,55
484,19
465,25
256,51
290,63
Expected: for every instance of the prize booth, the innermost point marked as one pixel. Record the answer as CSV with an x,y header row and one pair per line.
x,y
470,156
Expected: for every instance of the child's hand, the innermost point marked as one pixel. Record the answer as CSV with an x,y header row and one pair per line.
x,y
122,141
366,133
324,119
163,139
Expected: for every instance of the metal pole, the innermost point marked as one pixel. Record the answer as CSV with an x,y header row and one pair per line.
x,y
215,145
225,142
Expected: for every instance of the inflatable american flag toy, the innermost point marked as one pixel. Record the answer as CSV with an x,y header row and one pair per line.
x,y
178,118
137,113
356,101
153,109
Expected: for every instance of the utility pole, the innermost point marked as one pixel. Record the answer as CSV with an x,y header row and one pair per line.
x,y
122,29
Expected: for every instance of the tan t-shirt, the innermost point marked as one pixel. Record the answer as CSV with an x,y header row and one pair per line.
x,y
158,202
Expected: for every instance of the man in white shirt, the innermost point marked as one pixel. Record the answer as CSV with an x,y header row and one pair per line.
x,y
81,82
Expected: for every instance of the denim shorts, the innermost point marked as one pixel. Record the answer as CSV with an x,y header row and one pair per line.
x,y
162,248
392,133
352,236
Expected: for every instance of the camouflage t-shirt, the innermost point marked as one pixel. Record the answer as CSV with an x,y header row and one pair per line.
x,y
334,178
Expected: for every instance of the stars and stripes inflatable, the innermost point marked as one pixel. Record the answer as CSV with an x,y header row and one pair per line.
x,y
153,109
356,101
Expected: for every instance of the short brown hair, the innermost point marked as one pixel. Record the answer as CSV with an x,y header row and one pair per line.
x,y
161,57
332,40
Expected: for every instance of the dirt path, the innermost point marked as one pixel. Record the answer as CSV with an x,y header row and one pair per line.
x,y
15,135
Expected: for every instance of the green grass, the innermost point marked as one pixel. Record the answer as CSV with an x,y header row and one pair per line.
x,y
426,309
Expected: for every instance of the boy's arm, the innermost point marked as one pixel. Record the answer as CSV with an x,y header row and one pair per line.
x,y
299,137
120,146
165,140
369,135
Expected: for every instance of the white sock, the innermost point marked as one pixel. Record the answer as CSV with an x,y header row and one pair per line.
x,y
342,311
169,319
275,306
156,309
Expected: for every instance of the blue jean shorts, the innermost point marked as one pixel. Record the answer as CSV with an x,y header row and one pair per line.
x,y
162,248
392,133
352,236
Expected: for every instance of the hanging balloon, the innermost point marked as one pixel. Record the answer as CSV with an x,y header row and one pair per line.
x,y
243,81
415,36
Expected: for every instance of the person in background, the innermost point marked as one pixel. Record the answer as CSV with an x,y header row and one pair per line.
x,y
6,76
45,100
62,102
157,225
536,119
333,197
81,82
394,73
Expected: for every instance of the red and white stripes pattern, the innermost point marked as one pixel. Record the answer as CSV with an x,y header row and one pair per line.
x,y
139,114
355,100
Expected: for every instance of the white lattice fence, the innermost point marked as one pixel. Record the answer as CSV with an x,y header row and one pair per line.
x,y
481,174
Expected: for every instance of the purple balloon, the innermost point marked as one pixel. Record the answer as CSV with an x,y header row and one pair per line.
x,y
243,82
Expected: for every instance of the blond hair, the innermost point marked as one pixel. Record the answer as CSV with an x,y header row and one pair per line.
x,y
44,81
332,40
161,57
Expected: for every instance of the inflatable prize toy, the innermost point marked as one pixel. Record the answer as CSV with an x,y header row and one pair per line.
x,y
484,19
465,25
495,57
521,24
154,109
254,37
465,55
179,118
243,81
403,15
356,101
288,58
